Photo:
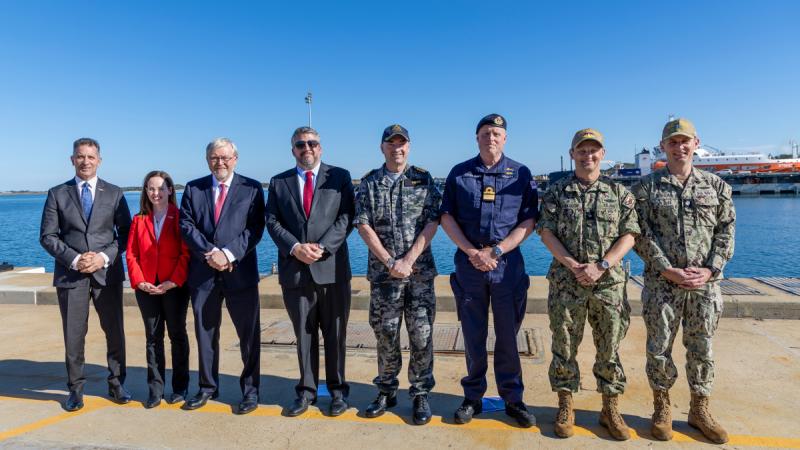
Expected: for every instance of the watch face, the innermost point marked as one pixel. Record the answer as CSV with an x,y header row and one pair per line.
x,y
604,264
497,251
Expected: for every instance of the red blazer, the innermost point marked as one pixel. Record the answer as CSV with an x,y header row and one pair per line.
x,y
167,258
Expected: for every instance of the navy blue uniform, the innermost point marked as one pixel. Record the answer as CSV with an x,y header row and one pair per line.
x,y
486,223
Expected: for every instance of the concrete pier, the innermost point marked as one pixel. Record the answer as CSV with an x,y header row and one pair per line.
x,y
755,397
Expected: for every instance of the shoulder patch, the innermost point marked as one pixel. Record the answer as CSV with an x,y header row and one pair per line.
x,y
628,201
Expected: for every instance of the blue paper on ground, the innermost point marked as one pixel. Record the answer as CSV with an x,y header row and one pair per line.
x,y
493,404
322,390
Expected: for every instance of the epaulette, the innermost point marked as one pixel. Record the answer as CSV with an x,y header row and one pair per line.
x,y
419,169
368,174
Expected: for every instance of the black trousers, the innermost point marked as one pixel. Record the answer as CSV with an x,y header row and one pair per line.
x,y
315,307
157,311
244,309
74,306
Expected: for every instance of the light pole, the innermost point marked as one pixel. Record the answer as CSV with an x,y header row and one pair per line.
x,y
308,102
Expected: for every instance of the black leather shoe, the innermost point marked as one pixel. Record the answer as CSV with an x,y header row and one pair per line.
x,y
119,395
299,406
177,397
518,411
152,401
74,401
468,409
422,410
338,406
248,404
384,401
199,400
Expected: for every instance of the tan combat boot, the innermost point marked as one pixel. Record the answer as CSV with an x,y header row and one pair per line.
x,y
612,419
661,428
700,418
565,418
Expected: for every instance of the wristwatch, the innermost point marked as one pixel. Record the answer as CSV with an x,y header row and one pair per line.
x,y
321,247
497,251
390,262
604,264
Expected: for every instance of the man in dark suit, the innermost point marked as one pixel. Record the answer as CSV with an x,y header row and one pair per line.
x,y
222,220
84,227
309,215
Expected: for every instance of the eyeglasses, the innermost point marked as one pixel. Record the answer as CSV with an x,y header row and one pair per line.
x,y
302,144
224,159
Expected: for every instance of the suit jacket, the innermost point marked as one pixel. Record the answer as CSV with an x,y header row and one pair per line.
x,y
240,227
65,232
165,259
329,223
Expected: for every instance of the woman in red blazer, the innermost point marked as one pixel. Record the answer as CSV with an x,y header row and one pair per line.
x,y
157,261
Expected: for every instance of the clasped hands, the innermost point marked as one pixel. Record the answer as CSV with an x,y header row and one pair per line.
x,y
90,262
483,259
152,289
587,274
218,261
308,253
688,278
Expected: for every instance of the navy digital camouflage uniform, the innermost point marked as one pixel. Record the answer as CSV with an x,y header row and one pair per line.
x,y
587,221
398,211
682,226
484,224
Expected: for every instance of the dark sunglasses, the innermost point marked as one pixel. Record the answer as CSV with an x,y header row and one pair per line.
x,y
302,144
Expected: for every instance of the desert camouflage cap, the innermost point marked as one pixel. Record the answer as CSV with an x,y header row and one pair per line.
x,y
587,134
678,126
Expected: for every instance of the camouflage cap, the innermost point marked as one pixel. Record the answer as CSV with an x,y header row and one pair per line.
x,y
587,134
678,126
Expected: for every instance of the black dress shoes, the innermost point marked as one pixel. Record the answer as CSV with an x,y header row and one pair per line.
x,y
248,404
468,409
338,406
199,400
422,410
299,406
384,401
518,411
177,397
152,401
119,395
74,401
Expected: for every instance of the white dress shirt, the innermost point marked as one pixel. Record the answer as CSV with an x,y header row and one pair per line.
x,y
92,190
301,183
215,183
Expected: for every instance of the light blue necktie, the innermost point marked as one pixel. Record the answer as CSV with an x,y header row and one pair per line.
x,y
86,200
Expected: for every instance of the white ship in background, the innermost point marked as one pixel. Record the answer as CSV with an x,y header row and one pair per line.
x,y
714,160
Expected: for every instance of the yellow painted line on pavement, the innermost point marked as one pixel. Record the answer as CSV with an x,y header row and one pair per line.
x,y
478,424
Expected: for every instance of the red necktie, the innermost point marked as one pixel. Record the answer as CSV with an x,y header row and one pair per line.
x,y
220,201
308,192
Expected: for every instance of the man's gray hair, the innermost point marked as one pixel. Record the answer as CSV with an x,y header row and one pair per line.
x,y
303,130
219,143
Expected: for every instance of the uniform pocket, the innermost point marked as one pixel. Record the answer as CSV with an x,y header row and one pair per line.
x,y
706,210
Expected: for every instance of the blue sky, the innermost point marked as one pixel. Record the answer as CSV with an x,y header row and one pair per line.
x,y
155,81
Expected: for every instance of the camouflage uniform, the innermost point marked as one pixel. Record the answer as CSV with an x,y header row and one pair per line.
x,y
398,212
587,221
689,225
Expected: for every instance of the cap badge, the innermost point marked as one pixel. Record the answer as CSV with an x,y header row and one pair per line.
x,y
396,128
498,121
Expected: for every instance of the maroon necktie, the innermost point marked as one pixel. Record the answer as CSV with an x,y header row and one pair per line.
x,y
220,201
308,192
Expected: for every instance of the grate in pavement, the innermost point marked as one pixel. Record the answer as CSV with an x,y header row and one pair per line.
x,y
728,287
447,338
791,285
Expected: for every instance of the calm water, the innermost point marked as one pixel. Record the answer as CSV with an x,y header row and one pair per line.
x,y
767,239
